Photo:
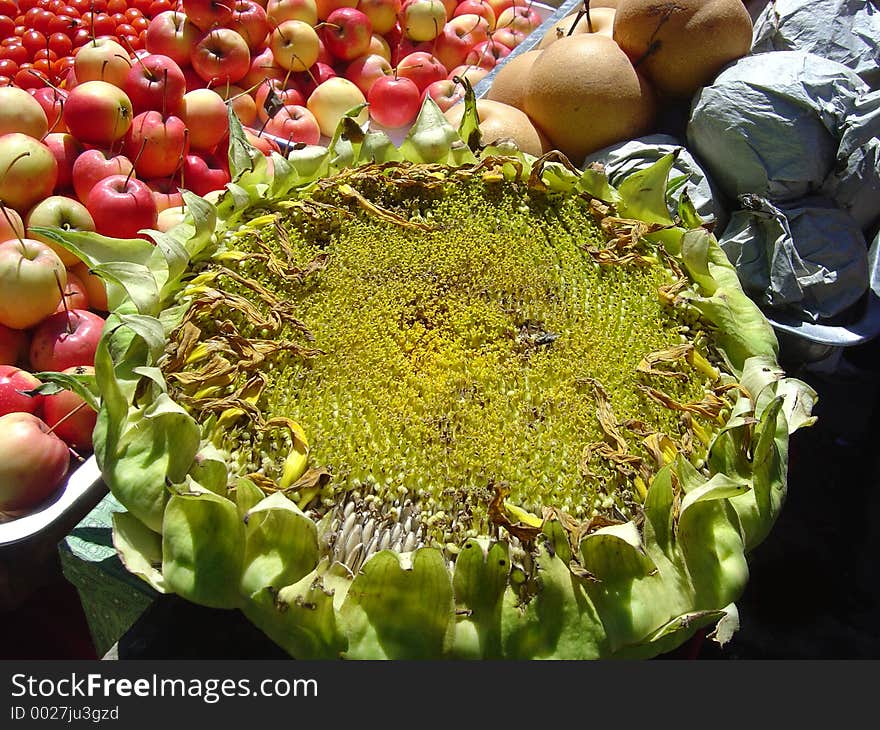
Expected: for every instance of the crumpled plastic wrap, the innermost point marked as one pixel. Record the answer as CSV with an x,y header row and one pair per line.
x,y
622,159
808,260
787,124
846,31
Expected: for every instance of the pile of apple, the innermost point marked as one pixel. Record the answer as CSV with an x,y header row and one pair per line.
x,y
102,128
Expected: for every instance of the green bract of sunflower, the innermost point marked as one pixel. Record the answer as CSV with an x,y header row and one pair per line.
x,y
440,402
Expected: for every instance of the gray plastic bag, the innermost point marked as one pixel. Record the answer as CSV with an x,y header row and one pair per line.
x,y
854,183
622,159
808,260
846,31
787,124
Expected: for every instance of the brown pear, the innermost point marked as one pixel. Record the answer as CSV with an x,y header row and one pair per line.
x,y
681,45
500,121
509,82
600,20
584,94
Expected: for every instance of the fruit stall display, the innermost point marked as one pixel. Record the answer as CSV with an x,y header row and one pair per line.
x,y
354,348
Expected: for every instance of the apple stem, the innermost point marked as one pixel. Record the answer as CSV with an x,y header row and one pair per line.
x,y
61,420
64,302
165,96
134,164
41,77
20,156
58,118
180,160
6,212
130,50
148,72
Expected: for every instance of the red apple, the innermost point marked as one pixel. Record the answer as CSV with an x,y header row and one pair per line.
x,y
207,120
11,224
510,37
221,57
394,101
347,33
422,68
364,71
98,113
382,13
155,82
277,11
205,172
14,385
93,165
69,416
20,112
33,462
31,280
334,98
476,7
325,7
263,67
166,192
380,47
311,79
264,144
66,339
474,74
445,93
59,211
519,17
271,95
65,148
156,143
295,124
458,37
29,171
95,287
122,206
295,45
250,22
171,34
487,54
242,102
102,59
75,294
208,14
422,20
51,99
14,345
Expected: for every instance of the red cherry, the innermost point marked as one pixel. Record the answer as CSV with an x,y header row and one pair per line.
x,y
60,44
33,41
17,53
42,21
7,26
66,24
